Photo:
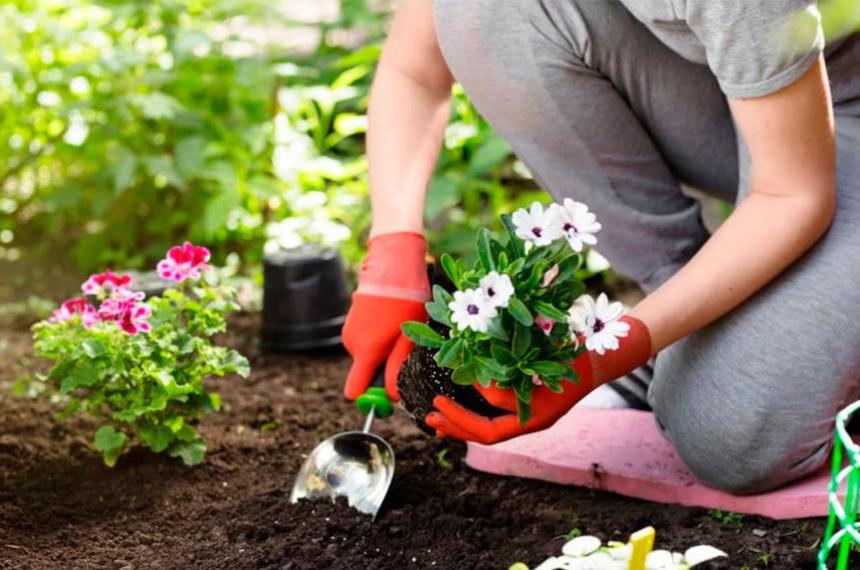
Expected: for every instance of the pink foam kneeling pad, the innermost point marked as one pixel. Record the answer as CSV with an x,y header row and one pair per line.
x,y
623,451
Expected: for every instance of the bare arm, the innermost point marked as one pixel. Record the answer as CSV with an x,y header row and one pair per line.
x,y
409,107
790,136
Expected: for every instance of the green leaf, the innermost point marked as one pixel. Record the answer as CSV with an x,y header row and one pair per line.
x,y
449,352
110,443
515,267
190,155
422,335
522,340
515,244
439,313
214,401
489,369
503,355
440,295
218,210
549,369
497,330
523,388
442,193
451,268
237,364
191,452
463,376
156,105
485,253
493,151
122,168
93,348
520,312
548,311
524,412
158,438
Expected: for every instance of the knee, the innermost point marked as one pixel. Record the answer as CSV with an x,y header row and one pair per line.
x,y
736,469
743,457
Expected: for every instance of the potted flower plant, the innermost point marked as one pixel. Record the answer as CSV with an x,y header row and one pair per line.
x,y
137,366
518,316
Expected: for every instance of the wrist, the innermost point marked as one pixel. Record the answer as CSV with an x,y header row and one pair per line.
x,y
633,351
379,228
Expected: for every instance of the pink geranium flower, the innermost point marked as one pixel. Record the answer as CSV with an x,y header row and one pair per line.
x,y
184,262
97,284
126,309
79,306
133,321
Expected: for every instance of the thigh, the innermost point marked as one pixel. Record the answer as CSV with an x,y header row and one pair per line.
x,y
535,72
758,390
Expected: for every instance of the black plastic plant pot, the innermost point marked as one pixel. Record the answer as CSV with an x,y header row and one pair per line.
x,y
421,380
305,299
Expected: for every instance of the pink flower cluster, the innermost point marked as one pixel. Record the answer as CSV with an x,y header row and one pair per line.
x,y
127,309
183,262
78,306
121,305
102,283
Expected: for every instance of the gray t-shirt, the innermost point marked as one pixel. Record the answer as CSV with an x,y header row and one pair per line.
x,y
753,47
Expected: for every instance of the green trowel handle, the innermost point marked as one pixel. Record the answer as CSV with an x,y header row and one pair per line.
x,y
375,397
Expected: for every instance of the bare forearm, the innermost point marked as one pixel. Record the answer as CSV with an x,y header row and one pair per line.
x,y
409,108
760,240
791,140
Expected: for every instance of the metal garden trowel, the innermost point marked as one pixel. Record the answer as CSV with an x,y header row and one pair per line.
x,y
357,465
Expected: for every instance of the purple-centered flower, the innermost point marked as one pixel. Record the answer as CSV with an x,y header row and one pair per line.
x,y
576,223
472,310
497,288
535,225
598,322
183,262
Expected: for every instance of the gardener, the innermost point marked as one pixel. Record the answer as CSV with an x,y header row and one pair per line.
x,y
615,103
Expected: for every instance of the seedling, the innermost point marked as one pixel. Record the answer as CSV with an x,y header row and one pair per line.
x,y
733,521
442,459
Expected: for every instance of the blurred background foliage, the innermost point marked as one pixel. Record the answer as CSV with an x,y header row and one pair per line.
x,y
129,126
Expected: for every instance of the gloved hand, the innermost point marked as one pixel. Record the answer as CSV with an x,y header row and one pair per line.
x,y
392,288
453,420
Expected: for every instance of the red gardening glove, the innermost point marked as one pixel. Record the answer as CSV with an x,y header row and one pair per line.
x,y
453,420
392,289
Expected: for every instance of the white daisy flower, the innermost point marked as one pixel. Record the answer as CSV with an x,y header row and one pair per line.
x,y
576,223
535,225
472,310
597,321
497,288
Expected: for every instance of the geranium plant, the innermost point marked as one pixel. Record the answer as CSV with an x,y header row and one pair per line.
x,y
137,365
518,316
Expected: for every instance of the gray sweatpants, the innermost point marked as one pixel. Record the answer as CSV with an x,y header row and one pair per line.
x,y
601,111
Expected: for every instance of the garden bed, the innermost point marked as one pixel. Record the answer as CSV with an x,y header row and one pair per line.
x,y
61,508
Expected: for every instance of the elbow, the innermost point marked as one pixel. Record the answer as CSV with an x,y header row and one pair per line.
x,y
822,210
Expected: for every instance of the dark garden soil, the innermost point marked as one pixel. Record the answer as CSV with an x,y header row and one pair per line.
x,y
61,508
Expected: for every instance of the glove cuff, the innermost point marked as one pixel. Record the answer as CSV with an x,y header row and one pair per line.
x,y
395,267
633,351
